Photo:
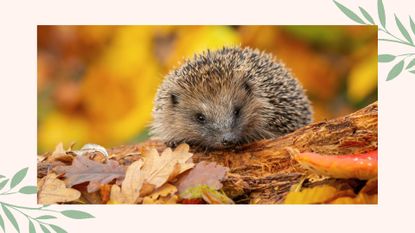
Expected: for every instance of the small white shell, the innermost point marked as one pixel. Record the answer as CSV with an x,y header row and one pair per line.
x,y
87,148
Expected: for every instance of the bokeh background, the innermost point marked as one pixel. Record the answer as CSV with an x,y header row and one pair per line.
x,y
96,84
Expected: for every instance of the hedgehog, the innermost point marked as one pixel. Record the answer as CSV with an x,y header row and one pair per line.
x,y
225,98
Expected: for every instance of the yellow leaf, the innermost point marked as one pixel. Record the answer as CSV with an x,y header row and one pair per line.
x,y
313,195
363,79
361,198
192,40
163,195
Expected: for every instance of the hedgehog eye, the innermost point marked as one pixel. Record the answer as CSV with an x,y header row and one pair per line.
x,y
200,118
236,111
174,100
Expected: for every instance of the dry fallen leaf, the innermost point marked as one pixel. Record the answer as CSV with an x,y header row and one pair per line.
x,y
315,195
116,197
52,190
86,170
59,154
204,173
133,182
208,194
149,177
162,200
163,195
361,198
158,169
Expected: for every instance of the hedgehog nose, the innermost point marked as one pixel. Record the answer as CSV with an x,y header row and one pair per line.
x,y
228,139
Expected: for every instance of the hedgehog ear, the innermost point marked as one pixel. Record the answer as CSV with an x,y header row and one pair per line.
x,y
174,99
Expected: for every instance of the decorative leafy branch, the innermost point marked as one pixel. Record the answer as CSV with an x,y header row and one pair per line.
x,y
406,40
9,210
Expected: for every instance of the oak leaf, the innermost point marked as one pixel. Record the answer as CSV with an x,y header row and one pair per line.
x,y
163,195
86,170
59,154
204,173
133,181
158,169
52,190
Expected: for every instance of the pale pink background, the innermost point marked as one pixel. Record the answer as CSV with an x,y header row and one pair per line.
x,y
396,117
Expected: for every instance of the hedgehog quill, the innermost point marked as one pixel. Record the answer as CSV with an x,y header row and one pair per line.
x,y
228,97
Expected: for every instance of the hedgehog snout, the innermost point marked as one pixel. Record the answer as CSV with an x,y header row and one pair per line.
x,y
228,139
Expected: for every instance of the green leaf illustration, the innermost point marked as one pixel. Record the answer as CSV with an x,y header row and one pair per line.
x,y
31,189
366,15
412,71
44,228
45,217
3,183
381,13
411,64
76,214
11,218
411,22
395,71
18,177
31,227
403,30
386,58
2,224
28,190
349,13
1,176
57,229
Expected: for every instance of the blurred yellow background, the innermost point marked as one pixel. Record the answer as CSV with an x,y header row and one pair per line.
x,y
96,84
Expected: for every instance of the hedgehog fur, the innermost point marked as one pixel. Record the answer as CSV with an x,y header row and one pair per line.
x,y
228,97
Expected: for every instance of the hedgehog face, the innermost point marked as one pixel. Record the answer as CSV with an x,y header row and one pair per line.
x,y
219,118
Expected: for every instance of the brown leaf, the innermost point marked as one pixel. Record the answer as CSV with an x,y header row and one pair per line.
x,y
85,170
116,197
163,195
164,191
53,190
59,154
204,173
133,182
105,191
158,169
162,200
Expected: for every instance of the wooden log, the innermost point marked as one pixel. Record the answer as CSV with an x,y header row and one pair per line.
x,y
263,172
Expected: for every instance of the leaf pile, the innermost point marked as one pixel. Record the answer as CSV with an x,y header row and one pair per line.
x,y
93,175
